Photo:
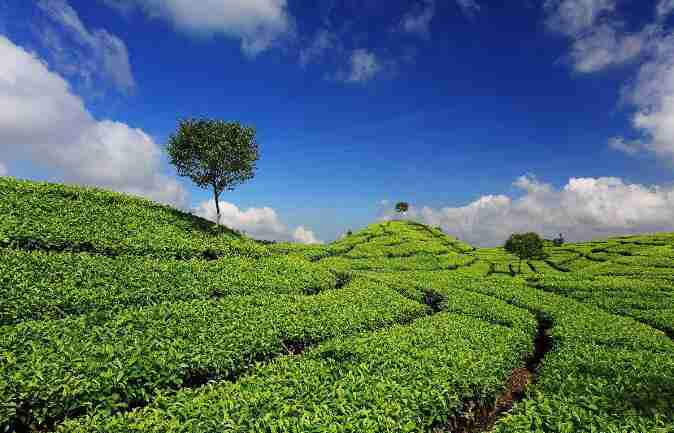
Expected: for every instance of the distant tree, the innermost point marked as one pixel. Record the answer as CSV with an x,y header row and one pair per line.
x,y
559,241
525,246
402,207
215,154
349,232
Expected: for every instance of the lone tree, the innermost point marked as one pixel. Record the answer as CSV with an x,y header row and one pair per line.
x,y
558,242
402,207
215,154
525,246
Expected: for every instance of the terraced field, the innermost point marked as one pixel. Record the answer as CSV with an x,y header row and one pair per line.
x,y
121,315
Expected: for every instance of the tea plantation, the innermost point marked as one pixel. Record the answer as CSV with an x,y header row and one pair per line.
x,y
121,315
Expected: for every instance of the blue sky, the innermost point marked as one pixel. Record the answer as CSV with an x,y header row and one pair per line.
x,y
482,114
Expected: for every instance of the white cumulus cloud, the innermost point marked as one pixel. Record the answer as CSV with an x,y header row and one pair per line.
x,y
583,209
364,65
574,17
305,236
260,223
90,54
418,20
652,95
604,46
599,40
258,24
43,122
664,8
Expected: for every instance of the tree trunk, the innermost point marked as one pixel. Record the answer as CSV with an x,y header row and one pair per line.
x,y
216,194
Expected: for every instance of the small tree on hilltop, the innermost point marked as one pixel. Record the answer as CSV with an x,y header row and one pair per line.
x,y
215,154
525,246
402,207
558,242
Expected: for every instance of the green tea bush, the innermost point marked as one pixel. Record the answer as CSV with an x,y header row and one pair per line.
x,y
643,299
121,315
605,373
47,216
37,285
55,369
407,378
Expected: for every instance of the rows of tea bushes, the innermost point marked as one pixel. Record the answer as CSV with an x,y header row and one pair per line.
x,y
50,370
317,252
648,300
621,270
121,315
391,246
644,261
643,252
438,234
392,264
606,373
384,247
46,216
502,262
42,285
409,378
421,285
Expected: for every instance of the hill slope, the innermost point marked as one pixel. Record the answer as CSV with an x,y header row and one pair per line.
x,y
122,315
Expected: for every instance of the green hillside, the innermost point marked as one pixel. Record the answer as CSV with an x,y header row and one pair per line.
x,y
121,315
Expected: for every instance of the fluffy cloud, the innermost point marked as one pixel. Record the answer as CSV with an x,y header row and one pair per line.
x,y
599,41
91,54
653,96
418,20
3,170
48,125
598,38
604,46
583,209
664,8
261,223
324,41
257,23
304,236
574,17
363,66
468,7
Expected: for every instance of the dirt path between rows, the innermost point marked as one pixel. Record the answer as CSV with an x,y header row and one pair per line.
x,y
483,418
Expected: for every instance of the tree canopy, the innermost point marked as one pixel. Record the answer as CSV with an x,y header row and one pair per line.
x,y
402,207
215,154
526,246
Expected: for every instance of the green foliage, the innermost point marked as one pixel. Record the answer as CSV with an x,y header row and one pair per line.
x,y
525,246
87,363
402,207
604,372
648,300
42,285
111,302
406,378
215,154
46,216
